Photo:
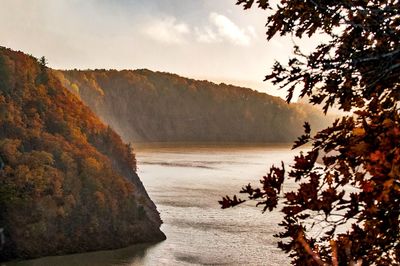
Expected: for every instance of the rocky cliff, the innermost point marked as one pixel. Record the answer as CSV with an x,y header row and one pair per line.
x,y
67,181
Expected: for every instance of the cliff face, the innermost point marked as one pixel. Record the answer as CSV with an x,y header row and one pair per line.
x,y
67,182
142,105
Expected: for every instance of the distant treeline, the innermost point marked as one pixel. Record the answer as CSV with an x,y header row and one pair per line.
x,y
147,106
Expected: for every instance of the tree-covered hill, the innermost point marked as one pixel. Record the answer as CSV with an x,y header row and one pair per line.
x,y
67,181
142,106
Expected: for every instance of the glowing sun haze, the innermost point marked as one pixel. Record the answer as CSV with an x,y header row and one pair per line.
x,y
202,39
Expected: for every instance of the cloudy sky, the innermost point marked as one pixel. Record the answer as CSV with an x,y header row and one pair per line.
x,y
202,39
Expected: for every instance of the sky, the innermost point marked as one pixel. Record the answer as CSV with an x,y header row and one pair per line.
x,y
202,39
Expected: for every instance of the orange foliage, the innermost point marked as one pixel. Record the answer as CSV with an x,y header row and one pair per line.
x,y
61,164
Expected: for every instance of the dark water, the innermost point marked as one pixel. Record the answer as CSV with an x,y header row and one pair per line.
x,y
186,182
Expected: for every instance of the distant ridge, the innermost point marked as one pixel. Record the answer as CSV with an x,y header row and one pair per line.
x,y
146,106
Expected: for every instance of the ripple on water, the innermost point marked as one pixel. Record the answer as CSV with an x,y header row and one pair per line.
x,y
186,183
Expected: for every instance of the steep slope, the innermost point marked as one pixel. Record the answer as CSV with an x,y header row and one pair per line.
x,y
142,105
67,181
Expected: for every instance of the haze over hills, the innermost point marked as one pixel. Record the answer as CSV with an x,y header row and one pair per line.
x,y
146,106
67,181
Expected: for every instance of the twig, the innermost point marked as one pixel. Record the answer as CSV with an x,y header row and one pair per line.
x,y
307,248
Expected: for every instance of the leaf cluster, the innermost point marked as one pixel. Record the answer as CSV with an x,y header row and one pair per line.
x,y
346,208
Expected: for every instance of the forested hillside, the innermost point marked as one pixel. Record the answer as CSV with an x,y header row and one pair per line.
x,y
142,105
67,181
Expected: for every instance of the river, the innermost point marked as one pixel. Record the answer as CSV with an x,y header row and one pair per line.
x,y
185,182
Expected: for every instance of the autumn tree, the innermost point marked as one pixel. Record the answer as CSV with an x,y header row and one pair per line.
x,y
353,195
4,74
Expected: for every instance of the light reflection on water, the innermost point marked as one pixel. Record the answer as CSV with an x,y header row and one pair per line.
x,y
185,183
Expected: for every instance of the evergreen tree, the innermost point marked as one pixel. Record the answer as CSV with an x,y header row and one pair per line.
x,y
43,77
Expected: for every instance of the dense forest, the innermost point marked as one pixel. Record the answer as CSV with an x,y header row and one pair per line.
x,y
143,105
67,181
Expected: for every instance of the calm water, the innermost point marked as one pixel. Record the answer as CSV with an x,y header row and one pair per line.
x,y
185,183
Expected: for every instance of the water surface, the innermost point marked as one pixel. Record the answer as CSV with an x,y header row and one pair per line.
x,y
185,182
